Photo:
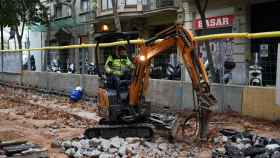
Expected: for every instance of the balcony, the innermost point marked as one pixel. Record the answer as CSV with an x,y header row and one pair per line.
x,y
142,8
158,4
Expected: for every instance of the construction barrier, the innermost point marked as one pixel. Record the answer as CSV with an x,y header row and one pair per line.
x,y
259,102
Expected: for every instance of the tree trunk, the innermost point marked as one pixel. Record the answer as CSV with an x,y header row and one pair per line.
x,y
116,16
19,40
2,48
208,51
2,37
47,43
19,34
201,7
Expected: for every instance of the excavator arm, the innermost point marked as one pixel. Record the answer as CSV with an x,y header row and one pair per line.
x,y
182,39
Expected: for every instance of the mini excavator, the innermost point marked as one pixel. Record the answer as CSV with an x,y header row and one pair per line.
x,y
130,115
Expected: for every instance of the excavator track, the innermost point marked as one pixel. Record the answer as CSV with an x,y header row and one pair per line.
x,y
142,130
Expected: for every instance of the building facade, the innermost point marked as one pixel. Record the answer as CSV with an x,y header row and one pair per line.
x,y
66,29
151,16
237,16
223,16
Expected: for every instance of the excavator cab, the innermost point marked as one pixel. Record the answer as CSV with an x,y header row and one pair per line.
x,y
113,102
118,118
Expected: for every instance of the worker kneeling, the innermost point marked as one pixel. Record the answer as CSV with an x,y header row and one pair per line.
x,y
119,68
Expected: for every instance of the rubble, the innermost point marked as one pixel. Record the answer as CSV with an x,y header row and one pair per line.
x,y
119,147
38,112
51,120
244,144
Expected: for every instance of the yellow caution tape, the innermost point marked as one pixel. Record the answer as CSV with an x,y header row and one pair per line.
x,y
138,41
239,36
142,41
264,35
221,36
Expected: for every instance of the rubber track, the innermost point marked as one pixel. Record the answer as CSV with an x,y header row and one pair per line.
x,y
132,130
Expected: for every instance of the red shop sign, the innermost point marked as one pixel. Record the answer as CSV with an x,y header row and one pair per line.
x,y
215,22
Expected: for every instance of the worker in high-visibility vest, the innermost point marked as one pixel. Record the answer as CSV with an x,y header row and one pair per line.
x,y
118,64
119,68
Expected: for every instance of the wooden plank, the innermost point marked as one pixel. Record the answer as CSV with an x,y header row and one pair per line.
x,y
38,154
18,148
12,142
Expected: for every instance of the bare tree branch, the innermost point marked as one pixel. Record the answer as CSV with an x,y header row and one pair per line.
x,y
205,6
198,6
204,26
201,5
22,29
17,33
116,15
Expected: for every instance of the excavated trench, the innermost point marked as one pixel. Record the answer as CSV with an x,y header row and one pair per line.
x,y
37,112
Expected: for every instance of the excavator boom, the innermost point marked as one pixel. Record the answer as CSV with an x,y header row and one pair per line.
x,y
184,41
173,36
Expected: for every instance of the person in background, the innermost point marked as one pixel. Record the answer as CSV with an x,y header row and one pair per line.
x,y
32,63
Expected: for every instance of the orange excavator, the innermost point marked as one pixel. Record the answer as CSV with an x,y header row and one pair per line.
x,y
132,117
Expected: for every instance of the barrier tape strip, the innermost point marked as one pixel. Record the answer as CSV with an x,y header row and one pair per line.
x,y
142,41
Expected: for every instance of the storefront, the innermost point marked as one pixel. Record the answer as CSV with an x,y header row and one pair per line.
x,y
264,18
223,20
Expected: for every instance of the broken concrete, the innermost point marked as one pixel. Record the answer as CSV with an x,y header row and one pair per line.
x,y
120,147
245,144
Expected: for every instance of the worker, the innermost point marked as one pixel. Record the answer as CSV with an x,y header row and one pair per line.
x,y
118,67
119,64
32,63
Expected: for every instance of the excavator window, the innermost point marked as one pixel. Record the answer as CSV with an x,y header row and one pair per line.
x,y
101,54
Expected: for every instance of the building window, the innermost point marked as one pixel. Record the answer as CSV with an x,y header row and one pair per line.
x,y
84,6
106,4
165,3
130,2
68,11
58,10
